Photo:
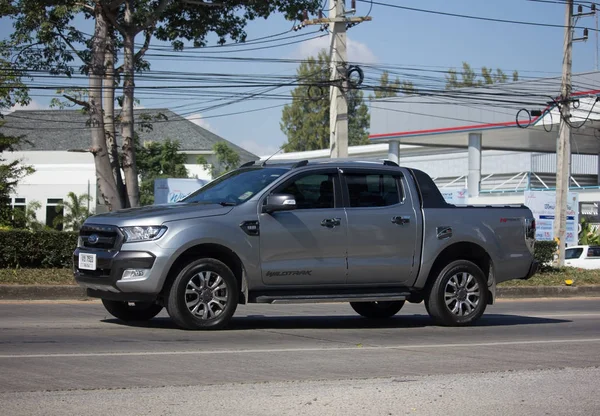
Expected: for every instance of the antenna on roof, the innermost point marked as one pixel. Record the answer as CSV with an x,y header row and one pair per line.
x,y
280,149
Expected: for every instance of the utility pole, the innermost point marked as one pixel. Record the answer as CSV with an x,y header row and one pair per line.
x,y
338,52
563,148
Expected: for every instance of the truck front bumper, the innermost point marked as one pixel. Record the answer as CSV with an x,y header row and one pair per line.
x,y
107,280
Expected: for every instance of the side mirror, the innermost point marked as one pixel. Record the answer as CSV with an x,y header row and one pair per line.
x,y
279,202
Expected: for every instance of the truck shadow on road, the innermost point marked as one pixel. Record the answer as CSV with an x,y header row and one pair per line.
x,y
256,322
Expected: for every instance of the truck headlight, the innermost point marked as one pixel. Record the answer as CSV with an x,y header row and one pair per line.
x,y
149,233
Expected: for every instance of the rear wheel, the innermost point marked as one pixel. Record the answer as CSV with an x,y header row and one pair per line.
x,y
377,310
203,296
459,294
132,311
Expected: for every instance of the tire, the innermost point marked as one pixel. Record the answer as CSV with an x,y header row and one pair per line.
x,y
140,311
204,295
377,310
459,295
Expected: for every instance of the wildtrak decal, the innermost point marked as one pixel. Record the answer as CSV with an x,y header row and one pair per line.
x,y
291,273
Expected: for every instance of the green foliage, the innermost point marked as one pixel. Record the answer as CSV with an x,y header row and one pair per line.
x,y
40,249
387,88
469,78
226,159
587,235
305,121
544,253
158,160
27,219
74,211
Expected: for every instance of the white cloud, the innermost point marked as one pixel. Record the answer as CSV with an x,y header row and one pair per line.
x,y
197,119
357,51
258,149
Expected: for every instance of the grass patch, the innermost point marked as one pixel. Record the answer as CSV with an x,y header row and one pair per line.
x,y
36,277
554,277
557,277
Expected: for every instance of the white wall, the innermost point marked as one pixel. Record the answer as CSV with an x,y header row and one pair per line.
x,y
56,174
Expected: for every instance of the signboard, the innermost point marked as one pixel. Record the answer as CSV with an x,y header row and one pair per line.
x,y
542,204
455,196
171,190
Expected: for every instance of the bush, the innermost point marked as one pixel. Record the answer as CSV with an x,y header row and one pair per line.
x,y
544,253
39,249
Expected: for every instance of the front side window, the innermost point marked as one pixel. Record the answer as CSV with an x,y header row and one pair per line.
x,y
573,253
312,191
235,187
372,190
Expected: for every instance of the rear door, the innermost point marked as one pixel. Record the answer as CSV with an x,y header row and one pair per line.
x,y
306,246
382,227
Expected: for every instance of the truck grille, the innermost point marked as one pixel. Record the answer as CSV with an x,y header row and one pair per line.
x,y
100,237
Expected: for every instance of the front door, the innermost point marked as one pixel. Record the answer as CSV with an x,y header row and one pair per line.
x,y
382,228
306,246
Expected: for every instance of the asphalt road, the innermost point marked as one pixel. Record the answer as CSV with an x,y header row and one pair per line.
x,y
523,357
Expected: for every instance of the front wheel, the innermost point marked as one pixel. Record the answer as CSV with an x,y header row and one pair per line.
x,y
377,310
132,311
459,294
203,296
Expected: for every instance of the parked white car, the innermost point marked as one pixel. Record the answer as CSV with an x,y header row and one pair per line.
x,y
583,257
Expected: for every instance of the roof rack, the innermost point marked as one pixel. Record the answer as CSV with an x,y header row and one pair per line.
x,y
245,165
300,164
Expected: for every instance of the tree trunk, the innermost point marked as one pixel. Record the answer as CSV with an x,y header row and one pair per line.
x,y
104,176
109,119
127,119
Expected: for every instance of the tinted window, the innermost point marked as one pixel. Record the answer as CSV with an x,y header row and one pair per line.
x,y
235,187
372,190
573,253
311,191
593,252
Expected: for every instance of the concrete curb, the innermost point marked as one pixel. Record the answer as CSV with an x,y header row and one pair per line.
x,y
49,292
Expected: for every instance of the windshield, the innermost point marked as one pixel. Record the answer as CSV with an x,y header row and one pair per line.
x,y
573,253
235,187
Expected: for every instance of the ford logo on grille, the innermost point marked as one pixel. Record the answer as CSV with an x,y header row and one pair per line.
x,y
93,239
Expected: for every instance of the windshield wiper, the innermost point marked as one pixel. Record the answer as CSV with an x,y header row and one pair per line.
x,y
227,204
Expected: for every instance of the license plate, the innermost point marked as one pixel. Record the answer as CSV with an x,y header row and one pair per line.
x,y
87,261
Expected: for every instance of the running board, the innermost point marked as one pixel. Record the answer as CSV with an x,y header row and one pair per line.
x,y
331,298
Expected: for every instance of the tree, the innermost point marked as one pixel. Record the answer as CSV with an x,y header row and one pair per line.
x,y
469,78
158,160
48,25
227,159
391,89
74,211
12,91
27,218
305,121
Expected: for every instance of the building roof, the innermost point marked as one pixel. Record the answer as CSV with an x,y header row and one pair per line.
x,y
68,129
444,118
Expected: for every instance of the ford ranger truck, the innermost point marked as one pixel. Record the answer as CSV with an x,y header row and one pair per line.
x,y
373,234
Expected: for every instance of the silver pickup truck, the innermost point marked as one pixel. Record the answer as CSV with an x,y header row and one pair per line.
x,y
369,233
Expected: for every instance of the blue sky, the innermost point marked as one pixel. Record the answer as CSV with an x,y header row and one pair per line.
x,y
395,37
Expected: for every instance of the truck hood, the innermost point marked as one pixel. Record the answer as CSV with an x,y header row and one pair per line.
x,y
158,214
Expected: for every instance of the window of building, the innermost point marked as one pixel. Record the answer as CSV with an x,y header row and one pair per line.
x,y
312,191
54,210
375,190
18,212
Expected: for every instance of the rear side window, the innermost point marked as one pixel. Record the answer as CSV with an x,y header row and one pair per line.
x,y
372,190
593,252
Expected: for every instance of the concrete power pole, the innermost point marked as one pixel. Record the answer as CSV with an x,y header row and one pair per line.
x,y
338,112
338,52
563,149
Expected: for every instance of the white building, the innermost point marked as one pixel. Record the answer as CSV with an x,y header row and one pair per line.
x,y
53,145
483,141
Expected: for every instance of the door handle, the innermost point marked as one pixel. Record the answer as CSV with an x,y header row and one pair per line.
x,y
331,222
401,219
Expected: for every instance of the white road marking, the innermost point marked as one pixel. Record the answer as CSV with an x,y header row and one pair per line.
x,y
294,350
